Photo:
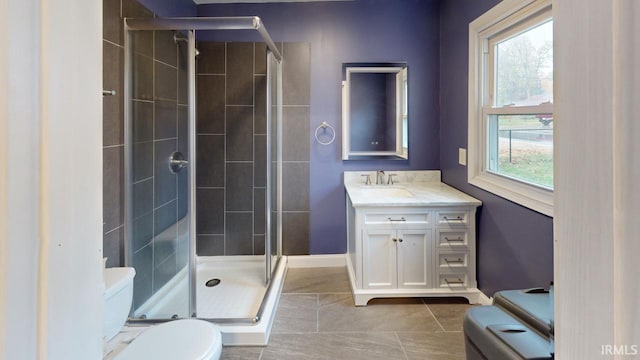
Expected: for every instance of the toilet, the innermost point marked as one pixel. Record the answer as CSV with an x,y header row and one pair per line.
x,y
187,339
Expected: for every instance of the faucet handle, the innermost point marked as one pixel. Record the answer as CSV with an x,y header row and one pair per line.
x,y
390,179
368,180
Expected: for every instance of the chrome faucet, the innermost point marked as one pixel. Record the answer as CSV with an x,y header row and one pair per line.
x,y
380,177
390,179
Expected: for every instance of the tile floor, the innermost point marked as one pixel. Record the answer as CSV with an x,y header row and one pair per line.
x,y
316,319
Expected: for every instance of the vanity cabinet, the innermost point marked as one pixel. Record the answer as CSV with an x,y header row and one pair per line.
x,y
396,258
412,251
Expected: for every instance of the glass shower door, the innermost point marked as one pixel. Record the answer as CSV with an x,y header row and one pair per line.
x,y
157,148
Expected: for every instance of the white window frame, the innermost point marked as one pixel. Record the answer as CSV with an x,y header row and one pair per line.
x,y
507,15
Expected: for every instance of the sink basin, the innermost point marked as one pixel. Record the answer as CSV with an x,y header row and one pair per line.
x,y
387,192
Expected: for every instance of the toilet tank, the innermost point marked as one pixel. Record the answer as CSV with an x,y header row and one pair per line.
x,y
118,295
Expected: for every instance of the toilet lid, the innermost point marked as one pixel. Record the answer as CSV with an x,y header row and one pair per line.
x,y
188,339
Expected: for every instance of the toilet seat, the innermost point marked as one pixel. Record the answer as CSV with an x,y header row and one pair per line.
x,y
187,339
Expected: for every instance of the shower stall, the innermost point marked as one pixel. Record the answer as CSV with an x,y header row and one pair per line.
x,y
203,171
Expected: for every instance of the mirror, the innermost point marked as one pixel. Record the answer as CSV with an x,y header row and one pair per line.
x,y
374,112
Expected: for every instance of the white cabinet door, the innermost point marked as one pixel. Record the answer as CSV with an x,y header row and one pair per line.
x,y
414,258
379,258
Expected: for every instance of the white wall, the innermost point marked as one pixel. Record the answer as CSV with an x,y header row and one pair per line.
x,y
3,174
626,34
597,172
18,178
50,179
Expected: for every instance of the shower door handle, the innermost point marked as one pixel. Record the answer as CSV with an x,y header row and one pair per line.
x,y
177,162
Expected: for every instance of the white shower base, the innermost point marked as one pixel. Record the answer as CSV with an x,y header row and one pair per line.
x,y
238,296
241,289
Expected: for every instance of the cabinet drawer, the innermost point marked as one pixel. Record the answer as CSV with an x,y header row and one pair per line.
x,y
453,280
453,260
453,218
452,238
400,218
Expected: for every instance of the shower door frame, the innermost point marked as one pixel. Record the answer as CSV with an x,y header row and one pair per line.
x,y
270,263
191,24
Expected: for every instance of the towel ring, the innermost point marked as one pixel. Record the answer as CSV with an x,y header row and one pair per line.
x,y
324,126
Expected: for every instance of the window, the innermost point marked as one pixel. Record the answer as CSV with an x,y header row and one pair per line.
x,y
511,103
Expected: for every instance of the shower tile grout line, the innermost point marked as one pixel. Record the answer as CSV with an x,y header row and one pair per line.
x,y
112,43
142,180
161,139
143,101
167,65
112,146
113,230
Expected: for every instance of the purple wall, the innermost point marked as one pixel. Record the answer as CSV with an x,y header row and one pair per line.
x,y
515,244
355,31
171,8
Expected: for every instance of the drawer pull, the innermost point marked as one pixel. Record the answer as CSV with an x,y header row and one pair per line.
x,y
401,219
457,218
458,261
455,282
458,239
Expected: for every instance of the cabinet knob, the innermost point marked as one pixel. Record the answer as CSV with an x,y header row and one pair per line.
x,y
394,239
400,240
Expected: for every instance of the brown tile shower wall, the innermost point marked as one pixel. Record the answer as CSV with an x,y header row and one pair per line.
x,y
113,133
232,148
159,108
295,148
231,127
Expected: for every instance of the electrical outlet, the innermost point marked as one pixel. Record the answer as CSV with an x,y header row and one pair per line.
x,y
462,156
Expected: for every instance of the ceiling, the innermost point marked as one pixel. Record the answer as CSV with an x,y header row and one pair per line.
x,y
200,2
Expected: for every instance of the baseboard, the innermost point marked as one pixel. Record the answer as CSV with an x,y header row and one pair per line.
x,y
311,261
484,299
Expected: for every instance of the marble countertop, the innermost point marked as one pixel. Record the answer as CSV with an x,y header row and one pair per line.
x,y
413,188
